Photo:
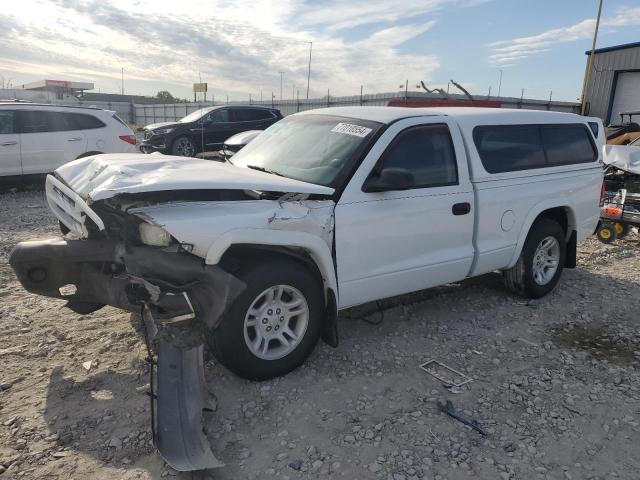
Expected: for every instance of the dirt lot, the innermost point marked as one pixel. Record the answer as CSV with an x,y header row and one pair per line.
x,y
556,384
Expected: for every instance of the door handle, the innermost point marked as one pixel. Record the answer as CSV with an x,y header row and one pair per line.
x,y
74,139
6,144
461,208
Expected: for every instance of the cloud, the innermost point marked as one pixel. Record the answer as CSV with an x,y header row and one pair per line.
x,y
508,51
238,49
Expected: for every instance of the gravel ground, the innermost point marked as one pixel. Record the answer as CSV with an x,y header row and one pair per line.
x,y
555,384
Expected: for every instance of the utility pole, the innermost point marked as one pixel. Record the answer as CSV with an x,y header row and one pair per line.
x,y
489,96
122,80
309,72
500,83
281,74
587,75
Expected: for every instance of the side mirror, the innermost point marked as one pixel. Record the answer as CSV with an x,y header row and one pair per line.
x,y
389,179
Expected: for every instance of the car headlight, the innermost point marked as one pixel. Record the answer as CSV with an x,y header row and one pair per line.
x,y
163,131
154,236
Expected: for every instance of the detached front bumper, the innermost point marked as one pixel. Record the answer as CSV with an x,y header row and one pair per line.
x,y
89,274
171,289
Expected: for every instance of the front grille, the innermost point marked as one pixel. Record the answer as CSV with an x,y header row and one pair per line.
x,y
69,207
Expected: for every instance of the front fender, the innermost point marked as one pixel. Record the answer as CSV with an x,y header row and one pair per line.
x,y
316,247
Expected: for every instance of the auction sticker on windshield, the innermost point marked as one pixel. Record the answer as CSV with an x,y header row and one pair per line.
x,y
351,129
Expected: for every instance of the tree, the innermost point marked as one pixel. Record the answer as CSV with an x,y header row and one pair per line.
x,y
166,96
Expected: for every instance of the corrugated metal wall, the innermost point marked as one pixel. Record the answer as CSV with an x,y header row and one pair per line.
x,y
605,65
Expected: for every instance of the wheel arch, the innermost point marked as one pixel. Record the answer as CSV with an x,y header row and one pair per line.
x,y
558,211
300,246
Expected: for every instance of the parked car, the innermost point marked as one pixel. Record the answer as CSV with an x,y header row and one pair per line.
x,y
206,129
325,210
231,146
37,139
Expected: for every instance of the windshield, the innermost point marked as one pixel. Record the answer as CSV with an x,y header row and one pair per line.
x,y
312,148
192,117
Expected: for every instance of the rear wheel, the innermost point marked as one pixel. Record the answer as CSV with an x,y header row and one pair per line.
x,y
607,233
540,264
273,326
183,147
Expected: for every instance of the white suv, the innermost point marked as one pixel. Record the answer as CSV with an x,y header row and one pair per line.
x,y
36,139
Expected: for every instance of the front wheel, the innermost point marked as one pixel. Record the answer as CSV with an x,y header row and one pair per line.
x,y
273,326
183,147
540,264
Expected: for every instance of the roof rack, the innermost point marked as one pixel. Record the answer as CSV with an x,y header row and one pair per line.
x,y
53,105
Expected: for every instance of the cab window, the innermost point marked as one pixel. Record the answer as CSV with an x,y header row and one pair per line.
x,y
427,152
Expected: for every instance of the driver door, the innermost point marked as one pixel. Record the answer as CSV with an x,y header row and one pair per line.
x,y
217,128
398,241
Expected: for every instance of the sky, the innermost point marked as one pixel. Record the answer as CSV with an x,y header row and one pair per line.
x,y
240,48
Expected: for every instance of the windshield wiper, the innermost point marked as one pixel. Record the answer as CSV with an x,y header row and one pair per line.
x,y
262,169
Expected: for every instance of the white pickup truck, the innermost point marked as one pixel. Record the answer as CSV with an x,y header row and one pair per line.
x,y
324,210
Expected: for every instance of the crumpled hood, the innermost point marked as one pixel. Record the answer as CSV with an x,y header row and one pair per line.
x,y
624,157
104,176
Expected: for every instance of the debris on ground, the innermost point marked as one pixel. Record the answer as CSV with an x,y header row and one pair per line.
x,y
563,404
448,408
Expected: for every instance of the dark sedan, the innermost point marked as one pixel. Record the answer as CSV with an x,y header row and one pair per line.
x,y
206,129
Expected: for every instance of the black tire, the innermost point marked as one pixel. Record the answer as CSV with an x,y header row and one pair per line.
x,y
183,147
63,228
227,341
520,278
622,229
607,233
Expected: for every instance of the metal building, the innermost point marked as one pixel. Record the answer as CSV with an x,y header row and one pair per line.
x,y
615,82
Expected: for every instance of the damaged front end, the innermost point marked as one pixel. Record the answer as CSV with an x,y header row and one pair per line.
x,y
150,251
176,308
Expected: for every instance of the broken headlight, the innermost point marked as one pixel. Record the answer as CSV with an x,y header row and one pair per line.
x,y
154,236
